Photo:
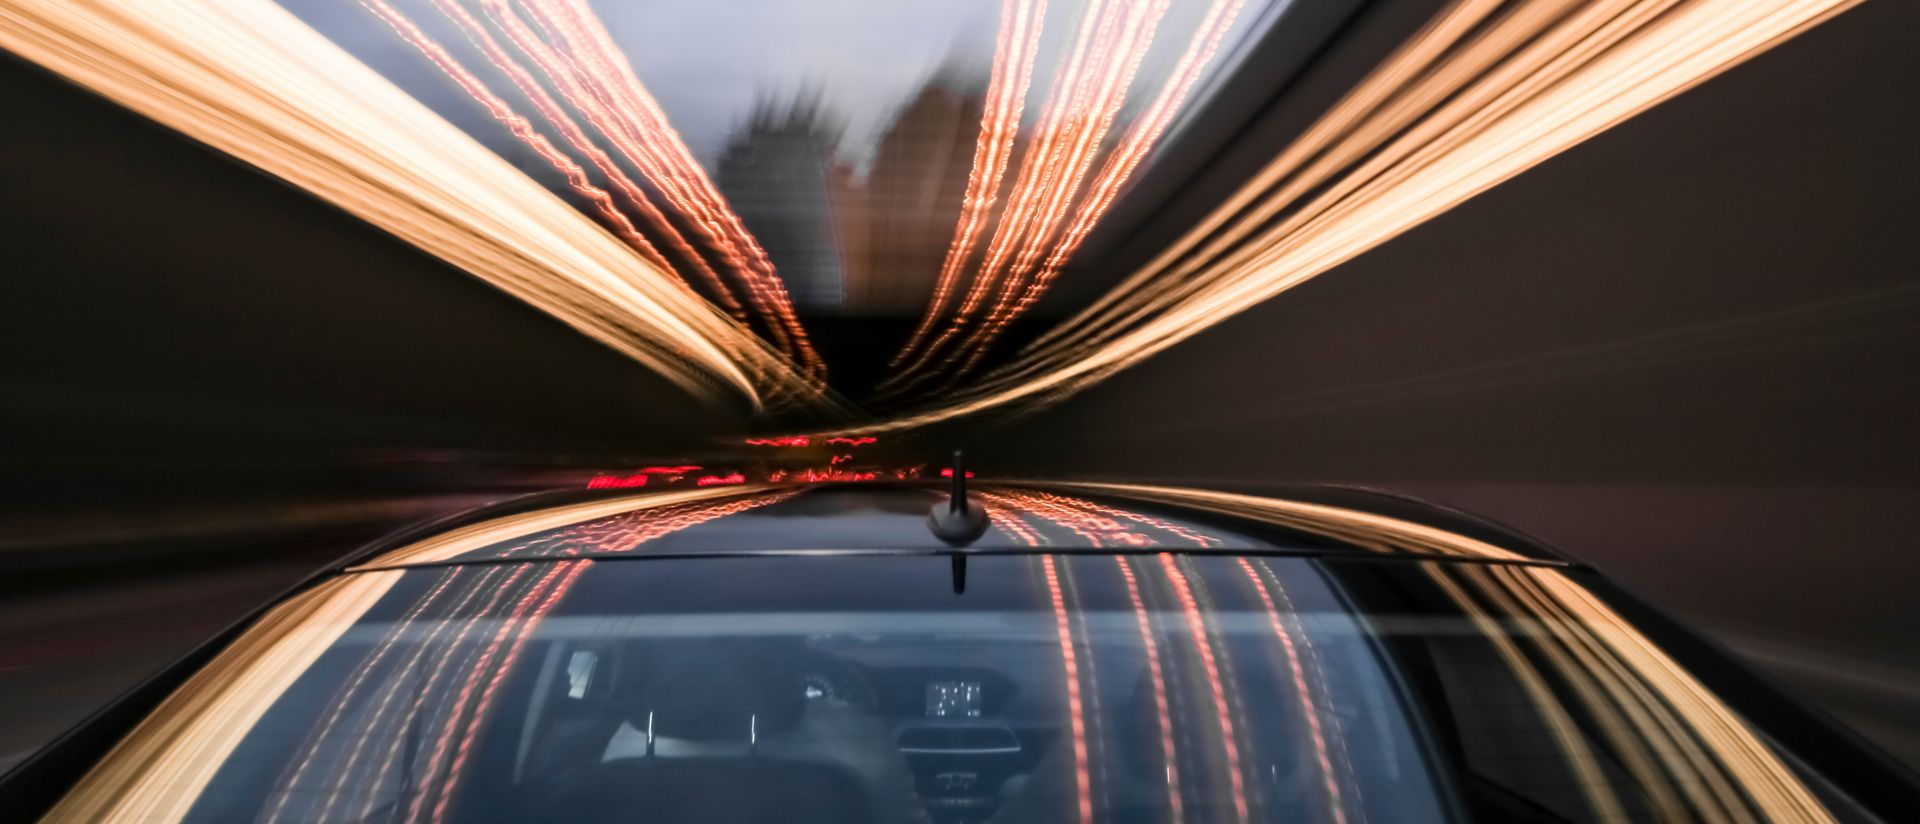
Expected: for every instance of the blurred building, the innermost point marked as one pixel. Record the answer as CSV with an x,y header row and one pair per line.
x,y
779,173
900,219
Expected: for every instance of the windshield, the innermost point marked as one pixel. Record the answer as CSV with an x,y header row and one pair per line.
x,y
1148,687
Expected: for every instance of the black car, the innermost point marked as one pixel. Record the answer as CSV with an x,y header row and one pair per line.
x,y
1103,653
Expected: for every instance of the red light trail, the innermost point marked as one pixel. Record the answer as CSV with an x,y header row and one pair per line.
x,y
579,141
1015,46
520,128
568,572
1082,777
785,440
1118,167
730,479
614,482
596,78
1183,533
1198,627
628,531
1309,709
1158,681
1088,90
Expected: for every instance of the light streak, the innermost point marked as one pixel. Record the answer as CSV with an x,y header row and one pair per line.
x,y
638,479
1087,92
456,543
1196,538
1015,46
1014,523
583,58
577,139
249,79
387,644
1462,107
497,585
1099,530
1309,709
1754,767
1579,757
568,572
1349,526
1217,688
1163,713
145,779
1082,777
862,441
628,531
785,440
729,479
1118,167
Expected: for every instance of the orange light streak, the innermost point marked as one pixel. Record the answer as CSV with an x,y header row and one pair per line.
x,y
584,59
607,121
520,128
1086,95
1015,46
343,784
1164,713
569,572
1118,167
1015,524
249,79
1197,538
1468,103
1198,627
1308,707
577,139
446,663
1099,529
1082,777
629,531
387,644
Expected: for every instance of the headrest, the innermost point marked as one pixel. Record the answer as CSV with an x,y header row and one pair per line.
x,y
713,689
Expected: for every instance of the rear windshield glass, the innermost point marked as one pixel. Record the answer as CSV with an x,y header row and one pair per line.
x,y
1153,687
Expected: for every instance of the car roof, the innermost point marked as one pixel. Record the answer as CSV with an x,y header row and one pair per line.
x,y
889,518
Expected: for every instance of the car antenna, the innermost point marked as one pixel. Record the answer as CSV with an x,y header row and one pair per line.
x,y
957,521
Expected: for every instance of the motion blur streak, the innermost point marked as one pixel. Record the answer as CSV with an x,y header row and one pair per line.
x,y
213,710
628,530
563,576
575,137
1309,707
1650,710
1119,165
520,128
1176,805
1087,92
1362,529
1014,49
1463,106
247,78
1082,777
583,56
454,543
1579,757
1181,532
1197,627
